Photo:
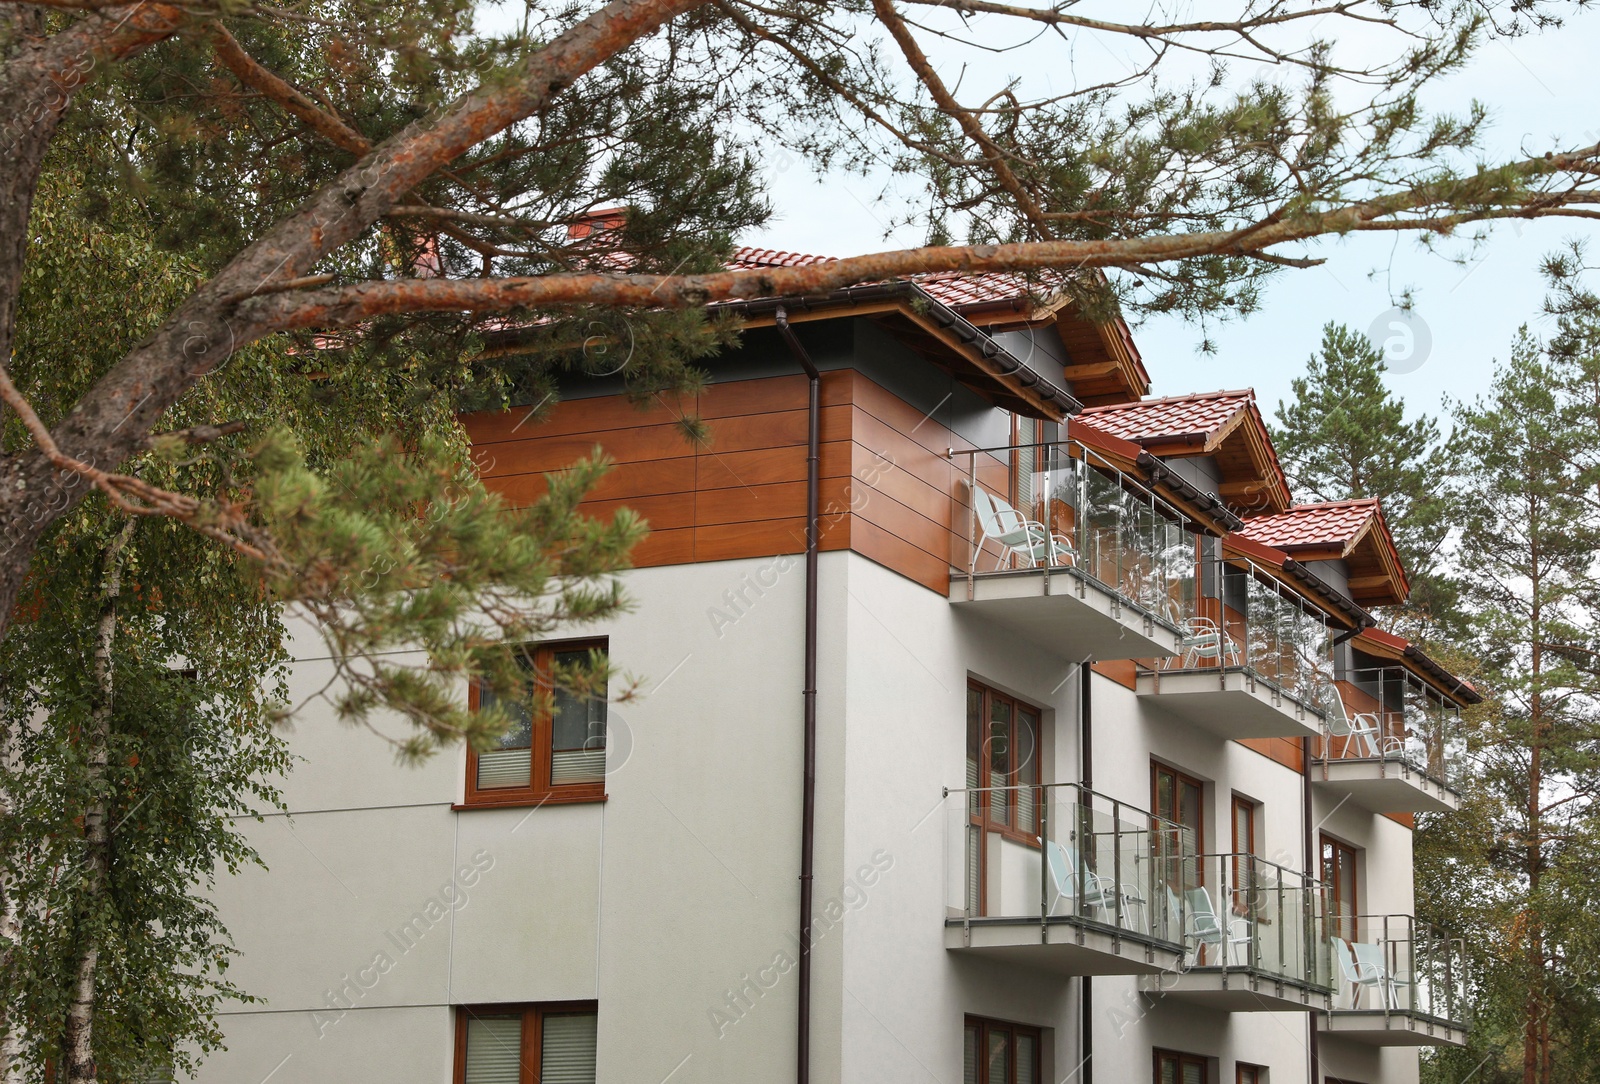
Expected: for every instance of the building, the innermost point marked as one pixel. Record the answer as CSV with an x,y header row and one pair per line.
x,y
1113,776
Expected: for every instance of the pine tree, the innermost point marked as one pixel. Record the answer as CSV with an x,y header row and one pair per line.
x,y
145,670
1346,436
251,261
1518,887
391,173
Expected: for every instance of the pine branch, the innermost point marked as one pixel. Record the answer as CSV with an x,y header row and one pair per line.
x,y
995,157
135,497
271,86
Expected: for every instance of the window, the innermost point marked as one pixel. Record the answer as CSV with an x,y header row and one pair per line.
x,y
1180,799
1026,434
526,1044
1250,1074
1175,1068
557,755
1244,826
1003,751
1000,1053
1339,879
1244,847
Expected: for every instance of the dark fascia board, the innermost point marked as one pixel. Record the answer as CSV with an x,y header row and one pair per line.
x,y
1214,506
941,314
1458,688
1357,614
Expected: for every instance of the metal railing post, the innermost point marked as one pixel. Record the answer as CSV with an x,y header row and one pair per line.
x,y
1042,806
1116,860
972,524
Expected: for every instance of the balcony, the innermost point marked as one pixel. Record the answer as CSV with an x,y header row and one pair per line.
x,y
1390,743
1397,982
1070,552
1257,664
1061,879
1252,931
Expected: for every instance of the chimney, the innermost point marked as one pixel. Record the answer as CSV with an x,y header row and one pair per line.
x,y
604,218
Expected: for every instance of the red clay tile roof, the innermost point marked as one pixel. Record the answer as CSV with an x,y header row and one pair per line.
x,y
1332,523
747,258
1173,416
951,288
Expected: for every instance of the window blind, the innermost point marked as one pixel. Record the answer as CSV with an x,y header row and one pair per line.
x,y
1027,1059
494,1050
999,1057
577,766
504,768
568,1056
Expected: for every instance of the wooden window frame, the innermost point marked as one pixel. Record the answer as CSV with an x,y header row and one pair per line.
x,y
1245,805
1331,886
539,790
985,1025
1258,1073
532,1013
1019,441
1241,867
1182,777
1182,1059
987,696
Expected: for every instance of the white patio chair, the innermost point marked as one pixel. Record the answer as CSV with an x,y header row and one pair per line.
x,y
1204,641
1015,533
1359,974
1371,958
1363,731
1202,927
1111,890
1064,877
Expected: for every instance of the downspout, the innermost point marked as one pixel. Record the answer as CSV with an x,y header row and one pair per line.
x,y
1312,1032
1086,769
1311,865
808,800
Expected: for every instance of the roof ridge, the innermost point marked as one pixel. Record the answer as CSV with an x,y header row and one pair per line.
x,y
1317,506
758,255
1165,400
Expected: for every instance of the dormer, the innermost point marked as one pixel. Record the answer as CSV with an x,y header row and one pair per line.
x,y
1350,536
1224,429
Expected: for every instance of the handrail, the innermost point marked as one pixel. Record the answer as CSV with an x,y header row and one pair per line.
x,y
1098,860
1272,911
1411,724
1416,968
1093,521
1103,463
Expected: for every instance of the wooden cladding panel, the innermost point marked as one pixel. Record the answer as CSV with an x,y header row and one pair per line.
x,y
885,477
891,551
1285,751
766,466
572,416
535,455
625,480
1124,672
739,398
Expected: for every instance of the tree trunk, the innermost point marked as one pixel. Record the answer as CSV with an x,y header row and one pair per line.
x,y
77,1046
10,926
1534,1008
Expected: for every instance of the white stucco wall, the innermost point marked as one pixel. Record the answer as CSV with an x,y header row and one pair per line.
x,y
674,903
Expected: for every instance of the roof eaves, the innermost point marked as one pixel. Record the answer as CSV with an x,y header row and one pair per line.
x,y
1331,597
1398,647
941,314
1215,508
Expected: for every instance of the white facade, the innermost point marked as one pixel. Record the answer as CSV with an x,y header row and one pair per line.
x,y
673,904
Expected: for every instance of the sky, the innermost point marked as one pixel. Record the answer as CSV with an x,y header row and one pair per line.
x,y
1540,94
